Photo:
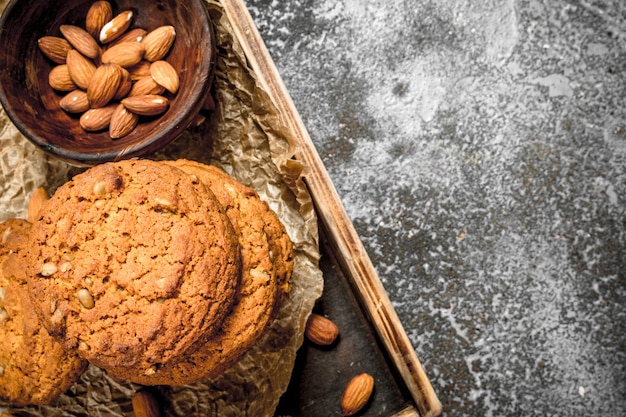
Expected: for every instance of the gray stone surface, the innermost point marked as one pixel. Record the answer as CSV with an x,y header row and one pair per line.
x,y
480,149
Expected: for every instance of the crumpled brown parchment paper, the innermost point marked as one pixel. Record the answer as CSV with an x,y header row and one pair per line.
x,y
246,137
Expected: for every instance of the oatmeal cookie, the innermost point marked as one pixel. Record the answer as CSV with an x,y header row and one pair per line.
x,y
280,245
260,292
34,368
133,264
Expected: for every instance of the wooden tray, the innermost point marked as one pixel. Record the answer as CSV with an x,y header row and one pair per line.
x,y
372,337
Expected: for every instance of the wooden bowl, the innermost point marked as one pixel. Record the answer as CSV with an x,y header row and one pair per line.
x,y
33,106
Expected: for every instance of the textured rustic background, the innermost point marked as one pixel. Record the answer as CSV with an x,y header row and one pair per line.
x,y
480,149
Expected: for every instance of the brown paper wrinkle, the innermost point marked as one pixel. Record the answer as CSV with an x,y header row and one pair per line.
x,y
246,137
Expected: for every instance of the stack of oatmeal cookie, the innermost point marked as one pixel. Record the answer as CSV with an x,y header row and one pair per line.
x,y
160,273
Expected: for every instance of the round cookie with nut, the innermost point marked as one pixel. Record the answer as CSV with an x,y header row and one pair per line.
x,y
280,245
134,264
34,367
253,308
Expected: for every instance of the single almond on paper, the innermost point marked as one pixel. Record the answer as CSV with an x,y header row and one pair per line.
x,y
146,105
99,13
116,27
158,42
144,86
198,120
94,120
81,69
104,84
75,102
59,78
321,330
356,394
145,404
122,123
164,74
36,202
55,48
80,39
124,54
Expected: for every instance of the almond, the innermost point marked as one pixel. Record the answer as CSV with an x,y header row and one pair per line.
x,y
60,80
37,199
132,35
94,120
164,74
99,13
145,85
145,404
75,102
55,48
104,84
158,42
125,54
356,394
81,40
116,27
146,105
126,84
140,70
321,330
122,122
81,69
198,120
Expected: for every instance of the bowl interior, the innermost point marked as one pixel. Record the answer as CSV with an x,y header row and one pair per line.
x,y
33,106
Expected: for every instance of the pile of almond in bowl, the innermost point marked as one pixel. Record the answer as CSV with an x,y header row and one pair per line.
x,y
111,75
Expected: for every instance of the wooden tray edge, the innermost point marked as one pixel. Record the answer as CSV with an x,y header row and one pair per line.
x,y
341,232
